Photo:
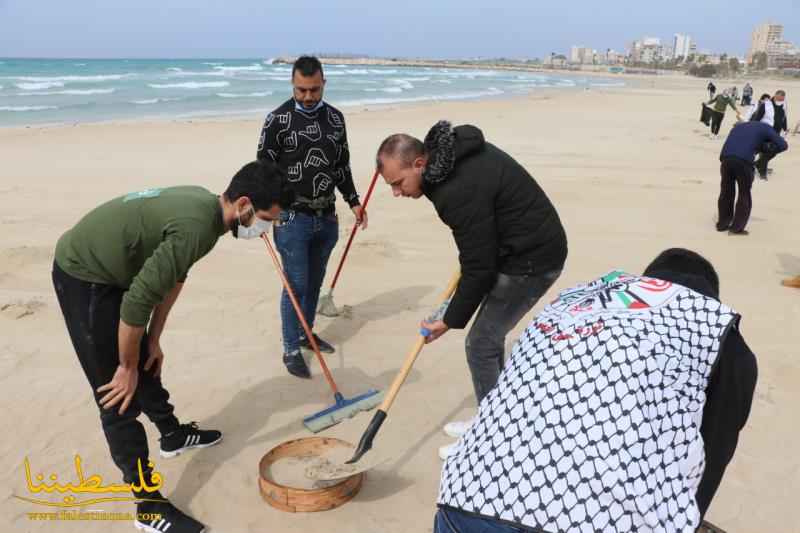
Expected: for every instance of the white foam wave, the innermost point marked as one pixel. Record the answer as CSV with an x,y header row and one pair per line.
x,y
72,92
239,69
181,72
21,108
426,98
214,64
356,71
39,86
403,83
244,95
82,79
385,89
190,85
372,71
149,101
269,61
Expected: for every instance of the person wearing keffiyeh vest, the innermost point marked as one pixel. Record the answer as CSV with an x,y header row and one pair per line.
x,y
619,410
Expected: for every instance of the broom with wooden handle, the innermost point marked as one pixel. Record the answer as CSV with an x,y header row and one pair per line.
x,y
365,444
343,407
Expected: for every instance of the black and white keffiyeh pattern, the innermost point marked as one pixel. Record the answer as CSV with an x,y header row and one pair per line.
x,y
594,424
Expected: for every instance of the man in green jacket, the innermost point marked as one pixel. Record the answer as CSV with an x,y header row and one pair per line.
x,y
117,274
720,104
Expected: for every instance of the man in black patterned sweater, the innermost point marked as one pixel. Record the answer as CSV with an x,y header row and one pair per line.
x,y
307,139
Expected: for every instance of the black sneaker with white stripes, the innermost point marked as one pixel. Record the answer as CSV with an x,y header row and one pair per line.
x,y
186,437
163,517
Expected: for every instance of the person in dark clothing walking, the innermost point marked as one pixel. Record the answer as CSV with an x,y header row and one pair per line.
x,y
747,94
512,246
307,139
117,274
737,160
771,111
712,90
602,400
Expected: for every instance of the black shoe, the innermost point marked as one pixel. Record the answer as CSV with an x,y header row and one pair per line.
x,y
324,347
296,365
762,176
740,232
186,437
162,517
723,228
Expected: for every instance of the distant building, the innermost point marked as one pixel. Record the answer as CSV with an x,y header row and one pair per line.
x,y
681,46
580,55
764,39
647,50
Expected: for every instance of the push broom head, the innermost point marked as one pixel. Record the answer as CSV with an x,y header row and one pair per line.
x,y
326,307
342,410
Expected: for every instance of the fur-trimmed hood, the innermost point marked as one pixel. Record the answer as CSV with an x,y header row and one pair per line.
x,y
445,145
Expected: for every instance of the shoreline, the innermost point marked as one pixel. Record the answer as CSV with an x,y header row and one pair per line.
x,y
212,116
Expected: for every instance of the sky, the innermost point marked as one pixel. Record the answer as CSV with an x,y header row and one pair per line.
x,y
407,28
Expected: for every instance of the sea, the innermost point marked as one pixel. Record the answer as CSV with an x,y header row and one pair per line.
x,y
66,91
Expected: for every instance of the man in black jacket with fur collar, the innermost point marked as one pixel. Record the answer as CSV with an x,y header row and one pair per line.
x,y
511,243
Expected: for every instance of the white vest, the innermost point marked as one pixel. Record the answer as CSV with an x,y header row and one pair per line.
x,y
594,424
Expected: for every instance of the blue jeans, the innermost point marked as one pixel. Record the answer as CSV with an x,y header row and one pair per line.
x,y
305,243
449,521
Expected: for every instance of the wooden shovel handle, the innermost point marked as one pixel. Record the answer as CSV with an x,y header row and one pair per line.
x,y
388,400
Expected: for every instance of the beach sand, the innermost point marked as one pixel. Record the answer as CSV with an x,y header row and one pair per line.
x,y
631,173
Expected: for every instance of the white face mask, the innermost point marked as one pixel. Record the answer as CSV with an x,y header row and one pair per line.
x,y
254,230
779,104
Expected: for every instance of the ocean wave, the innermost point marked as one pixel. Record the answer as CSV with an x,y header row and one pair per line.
x,y
83,79
269,61
79,64
190,85
239,69
21,108
181,72
385,90
39,85
278,78
72,92
244,95
214,64
356,71
149,101
427,98
403,83
283,69
374,71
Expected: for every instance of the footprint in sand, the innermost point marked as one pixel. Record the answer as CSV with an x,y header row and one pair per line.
x,y
382,248
20,309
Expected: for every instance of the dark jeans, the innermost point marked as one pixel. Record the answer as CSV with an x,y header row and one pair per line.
x,y
305,243
735,172
716,121
508,301
91,312
746,100
450,521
